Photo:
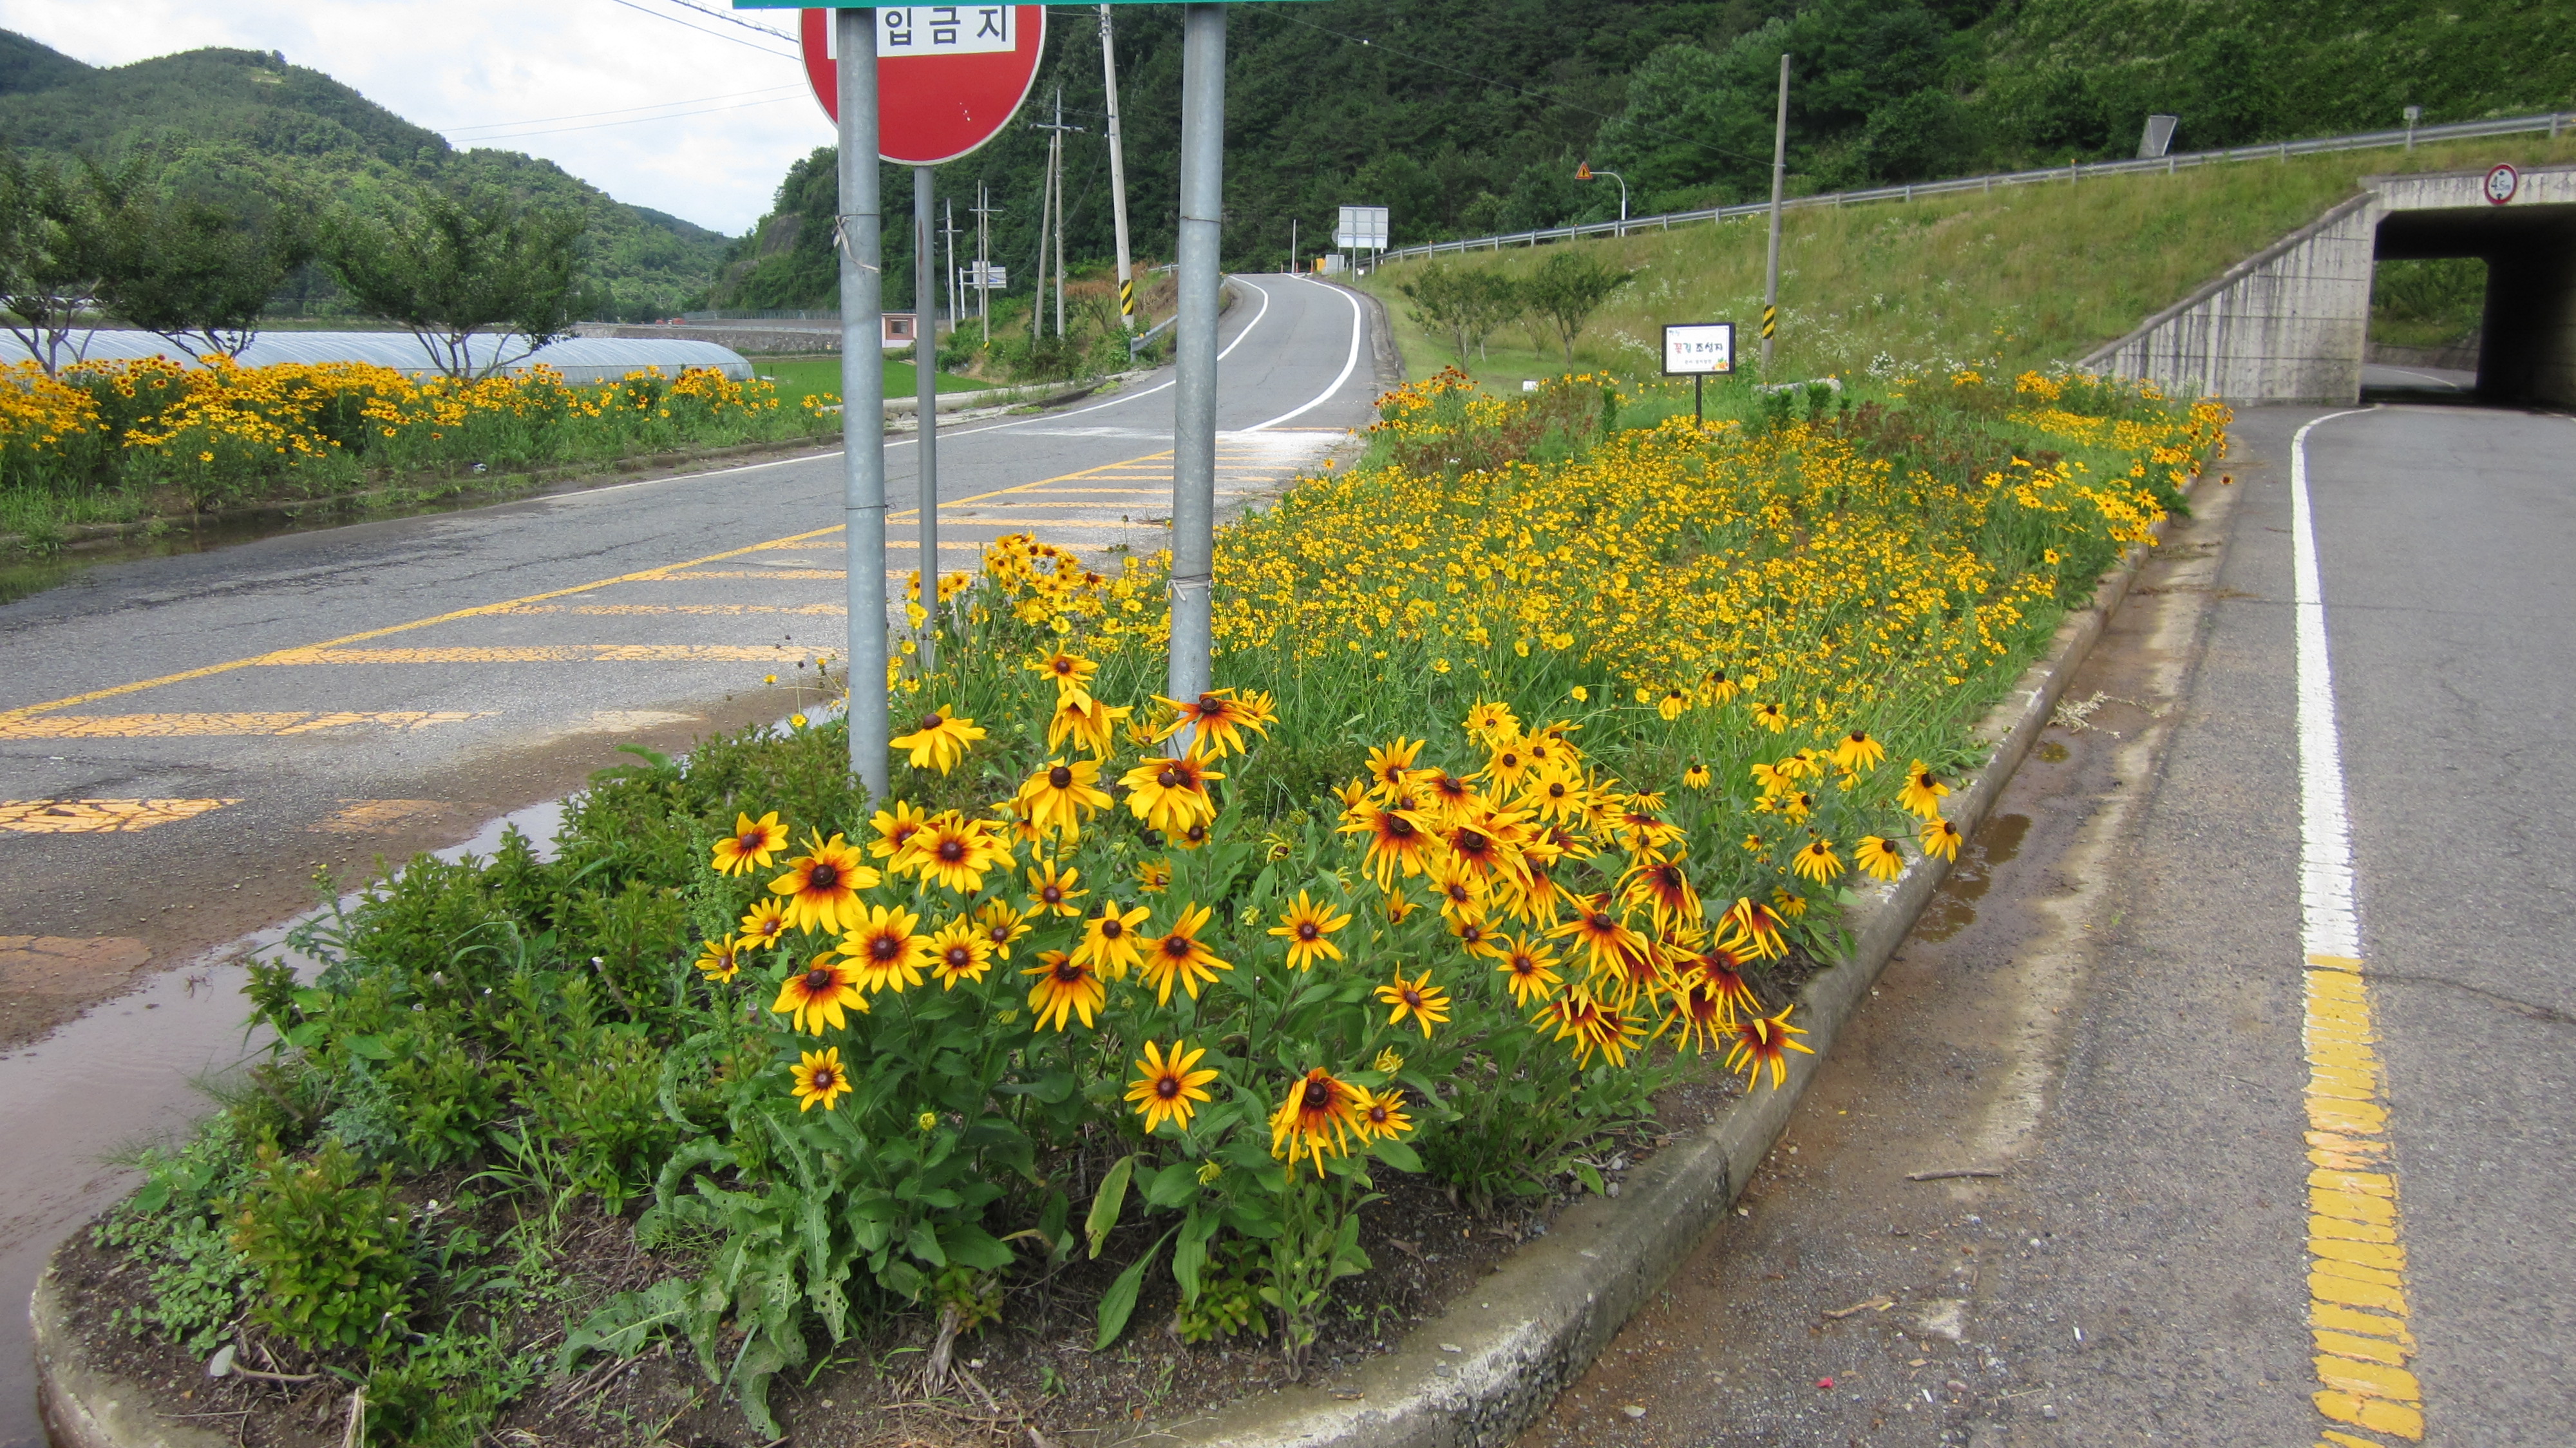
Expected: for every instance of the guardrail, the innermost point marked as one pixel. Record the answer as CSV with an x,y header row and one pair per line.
x,y
2555,123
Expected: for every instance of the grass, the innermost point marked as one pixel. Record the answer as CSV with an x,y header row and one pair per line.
x,y
2023,276
802,377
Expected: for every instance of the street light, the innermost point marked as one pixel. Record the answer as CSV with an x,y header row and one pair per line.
x,y
1584,172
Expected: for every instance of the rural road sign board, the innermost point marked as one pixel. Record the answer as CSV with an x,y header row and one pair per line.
x,y
949,77
1698,348
2502,183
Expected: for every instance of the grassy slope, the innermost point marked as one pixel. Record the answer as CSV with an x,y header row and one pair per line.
x,y
801,377
2023,277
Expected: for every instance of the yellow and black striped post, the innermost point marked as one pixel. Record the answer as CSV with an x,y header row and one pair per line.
x,y
1770,322
1127,298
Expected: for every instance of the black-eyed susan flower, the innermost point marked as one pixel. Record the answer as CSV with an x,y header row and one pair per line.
x,y
1771,717
1110,940
1382,1116
751,845
1756,931
1308,926
1478,939
720,960
895,829
1071,672
1856,751
1790,906
1942,838
1508,767
1000,925
1390,768
1880,857
1090,724
818,995
1418,998
1529,971
1600,932
882,949
1059,797
1065,986
1695,777
1397,839
1923,791
822,885
1153,877
1052,891
1171,794
1217,719
1664,887
1316,1120
1491,722
766,922
1817,861
1672,705
1180,956
1716,969
1165,1086
1765,1041
956,853
820,1080
940,740
1699,1017
959,951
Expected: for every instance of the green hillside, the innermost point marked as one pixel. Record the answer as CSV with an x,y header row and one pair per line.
x,y
1467,117
231,124
2018,278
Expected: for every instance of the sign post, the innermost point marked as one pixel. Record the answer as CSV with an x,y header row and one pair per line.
x,y
862,256
1699,350
1194,353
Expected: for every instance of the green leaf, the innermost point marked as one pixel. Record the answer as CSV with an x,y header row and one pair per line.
x,y
1191,1254
1590,1178
923,1243
1120,1299
1396,1154
974,1247
1107,1204
1174,1184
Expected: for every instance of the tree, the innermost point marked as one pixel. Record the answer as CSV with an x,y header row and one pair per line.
x,y
1439,304
1568,288
49,258
196,273
455,266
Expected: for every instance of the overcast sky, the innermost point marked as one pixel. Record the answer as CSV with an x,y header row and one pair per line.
x,y
652,101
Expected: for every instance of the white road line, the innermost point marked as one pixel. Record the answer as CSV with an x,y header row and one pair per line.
x,y
1358,325
2331,924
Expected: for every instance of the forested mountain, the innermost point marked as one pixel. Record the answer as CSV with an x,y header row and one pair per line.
x,y
243,124
1469,116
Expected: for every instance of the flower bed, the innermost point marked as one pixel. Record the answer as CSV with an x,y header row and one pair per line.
x,y
1547,747
224,434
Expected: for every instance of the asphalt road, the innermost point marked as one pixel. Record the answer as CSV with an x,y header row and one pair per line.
x,y
2109,1006
184,740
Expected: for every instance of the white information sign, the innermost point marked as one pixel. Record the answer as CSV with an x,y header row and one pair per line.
x,y
941,30
996,276
1360,228
1698,348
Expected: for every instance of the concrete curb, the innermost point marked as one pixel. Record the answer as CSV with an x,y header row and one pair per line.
x,y
1532,1327
1538,1321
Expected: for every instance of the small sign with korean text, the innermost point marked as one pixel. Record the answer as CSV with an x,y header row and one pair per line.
x,y
945,30
1698,349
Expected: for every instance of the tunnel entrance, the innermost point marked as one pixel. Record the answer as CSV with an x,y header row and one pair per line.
x,y
2511,268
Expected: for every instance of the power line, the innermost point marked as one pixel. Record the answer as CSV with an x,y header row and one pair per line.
x,y
729,16
702,30
619,111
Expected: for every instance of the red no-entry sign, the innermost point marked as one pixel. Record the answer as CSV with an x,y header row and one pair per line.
x,y
949,77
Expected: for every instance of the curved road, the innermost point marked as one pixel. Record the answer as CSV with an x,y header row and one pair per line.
x,y
185,740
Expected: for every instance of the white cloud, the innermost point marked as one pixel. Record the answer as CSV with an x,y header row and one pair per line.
x,y
650,104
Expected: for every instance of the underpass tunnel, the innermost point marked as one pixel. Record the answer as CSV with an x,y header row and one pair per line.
x,y
2526,348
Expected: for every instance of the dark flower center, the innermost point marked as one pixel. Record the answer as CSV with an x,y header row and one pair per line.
x,y
951,851
1068,973
884,947
1210,706
748,844
1168,778
818,981
1166,1087
822,877
1110,928
1306,930
1510,761
1196,834
825,1078
1060,776
931,721
1052,894
1319,1096
959,957
1179,947
1400,827
1472,843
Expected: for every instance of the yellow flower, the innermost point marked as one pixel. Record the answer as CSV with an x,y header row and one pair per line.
x,y
1001,925
882,951
1153,877
1382,1116
958,952
1165,1086
1765,1041
751,844
766,922
1059,797
941,740
1880,857
1181,956
1856,751
816,996
1418,998
1695,777
1817,861
1109,940
955,853
1053,890
1388,1062
720,960
1307,926
1065,986
820,1079
1579,694
1923,791
1171,794
1942,838
1317,1119
822,886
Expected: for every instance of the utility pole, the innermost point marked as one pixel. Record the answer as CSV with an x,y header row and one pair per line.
x,y
862,259
1055,191
1292,245
925,416
1046,212
1194,347
1779,174
985,211
1117,180
955,289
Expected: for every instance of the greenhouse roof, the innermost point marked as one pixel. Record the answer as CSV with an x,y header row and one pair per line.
x,y
579,359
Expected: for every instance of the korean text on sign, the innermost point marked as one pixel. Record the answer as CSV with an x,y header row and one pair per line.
x,y
945,30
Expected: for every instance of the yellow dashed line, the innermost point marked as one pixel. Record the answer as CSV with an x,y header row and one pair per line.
x,y
2357,1307
549,654
98,816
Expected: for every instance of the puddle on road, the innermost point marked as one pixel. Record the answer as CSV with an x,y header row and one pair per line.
x,y
124,1075
1954,906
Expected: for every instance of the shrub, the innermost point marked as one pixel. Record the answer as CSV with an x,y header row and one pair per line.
x,y
332,1255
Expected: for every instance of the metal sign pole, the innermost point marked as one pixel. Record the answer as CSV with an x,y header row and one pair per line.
x,y
925,417
1194,343
863,395
1779,173
1117,181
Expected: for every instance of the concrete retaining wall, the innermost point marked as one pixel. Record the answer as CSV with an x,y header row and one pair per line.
x,y
2291,323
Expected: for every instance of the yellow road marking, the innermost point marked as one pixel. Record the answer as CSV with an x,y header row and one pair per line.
x,y
198,726
98,816
2357,1309
376,816
548,654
